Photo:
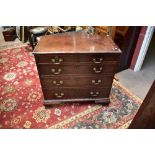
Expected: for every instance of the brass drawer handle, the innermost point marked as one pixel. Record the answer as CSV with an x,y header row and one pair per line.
x,y
59,95
57,60
58,84
97,70
53,70
97,61
97,82
94,94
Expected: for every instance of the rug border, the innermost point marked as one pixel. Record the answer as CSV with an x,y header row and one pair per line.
x,y
62,123
128,91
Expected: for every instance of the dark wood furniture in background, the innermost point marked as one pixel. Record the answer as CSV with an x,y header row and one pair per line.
x,y
145,117
76,66
9,34
127,44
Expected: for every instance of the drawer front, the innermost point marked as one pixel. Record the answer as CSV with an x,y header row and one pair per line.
x,y
76,58
74,93
78,81
76,69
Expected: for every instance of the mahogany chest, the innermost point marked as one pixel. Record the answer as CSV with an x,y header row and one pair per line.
x,y
76,66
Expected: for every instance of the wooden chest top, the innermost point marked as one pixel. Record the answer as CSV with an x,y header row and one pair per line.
x,y
76,42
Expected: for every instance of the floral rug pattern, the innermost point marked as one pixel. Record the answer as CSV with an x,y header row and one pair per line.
x,y
21,100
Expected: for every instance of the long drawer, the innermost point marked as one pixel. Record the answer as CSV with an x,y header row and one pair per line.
x,y
77,81
75,93
48,69
76,58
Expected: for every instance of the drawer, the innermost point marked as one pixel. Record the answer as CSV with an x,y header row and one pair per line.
x,y
75,93
92,69
77,81
75,58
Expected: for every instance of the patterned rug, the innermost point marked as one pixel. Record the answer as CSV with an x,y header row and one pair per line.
x,y
21,100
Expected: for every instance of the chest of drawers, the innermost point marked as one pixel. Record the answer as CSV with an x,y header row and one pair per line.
x,y
76,66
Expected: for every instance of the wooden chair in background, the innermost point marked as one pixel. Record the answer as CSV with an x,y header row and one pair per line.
x,y
110,30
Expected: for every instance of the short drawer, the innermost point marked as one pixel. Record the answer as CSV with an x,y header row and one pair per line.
x,y
75,93
75,58
92,69
77,81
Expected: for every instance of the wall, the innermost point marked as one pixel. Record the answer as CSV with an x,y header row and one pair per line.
x,y
138,47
